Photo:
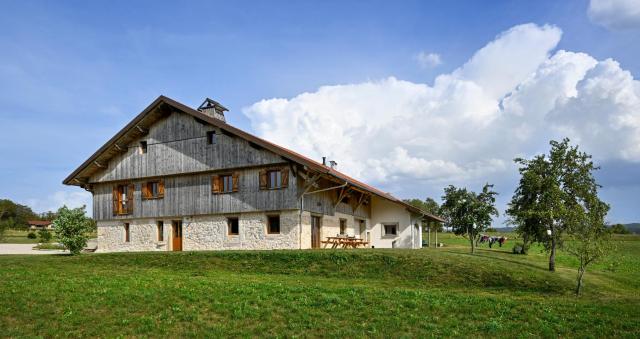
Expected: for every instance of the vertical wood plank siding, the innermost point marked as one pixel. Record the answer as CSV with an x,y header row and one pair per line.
x,y
190,195
323,203
178,144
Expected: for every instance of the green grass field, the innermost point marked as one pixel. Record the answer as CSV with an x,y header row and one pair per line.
x,y
381,293
18,237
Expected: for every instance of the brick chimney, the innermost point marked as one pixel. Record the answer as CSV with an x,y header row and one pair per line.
x,y
213,109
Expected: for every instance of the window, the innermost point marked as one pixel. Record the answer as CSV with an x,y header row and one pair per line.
x,y
273,224
225,183
123,199
233,226
390,229
160,231
126,232
211,137
275,179
343,226
143,147
153,190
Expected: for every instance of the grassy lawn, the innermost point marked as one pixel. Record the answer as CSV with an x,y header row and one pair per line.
x,y
429,292
18,237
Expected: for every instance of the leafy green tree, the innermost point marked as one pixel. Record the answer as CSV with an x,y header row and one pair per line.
x,y
619,229
469,213
430,206
589,238
19,214
552,195
71,227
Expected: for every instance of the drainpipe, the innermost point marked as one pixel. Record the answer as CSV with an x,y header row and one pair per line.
x,y
302,208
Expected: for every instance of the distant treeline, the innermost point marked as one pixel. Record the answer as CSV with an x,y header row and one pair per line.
x,y
14,215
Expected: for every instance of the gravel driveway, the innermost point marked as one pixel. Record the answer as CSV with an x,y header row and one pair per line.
x,y
24,249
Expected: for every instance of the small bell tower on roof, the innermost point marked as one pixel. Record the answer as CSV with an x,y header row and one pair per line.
x,y
213,109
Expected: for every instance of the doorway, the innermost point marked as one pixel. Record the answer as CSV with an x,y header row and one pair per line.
x,y
363,228
176,226
315,231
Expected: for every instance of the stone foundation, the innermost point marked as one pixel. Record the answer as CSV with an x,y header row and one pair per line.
x,y
201,233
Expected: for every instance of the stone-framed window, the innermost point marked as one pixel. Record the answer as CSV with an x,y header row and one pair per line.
x,y
273,224
127,232
160,225
233,226
343,226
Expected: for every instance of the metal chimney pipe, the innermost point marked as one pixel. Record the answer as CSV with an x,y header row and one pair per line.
x,y
324,161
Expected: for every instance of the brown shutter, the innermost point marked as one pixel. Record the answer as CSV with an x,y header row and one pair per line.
x,y
263,179
161,188
130,201
215,184
285,177
236,177
145,190
115,200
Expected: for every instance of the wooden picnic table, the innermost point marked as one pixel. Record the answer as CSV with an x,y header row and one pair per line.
x,y
344,242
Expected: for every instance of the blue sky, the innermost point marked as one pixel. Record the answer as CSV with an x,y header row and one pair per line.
x,y
72,73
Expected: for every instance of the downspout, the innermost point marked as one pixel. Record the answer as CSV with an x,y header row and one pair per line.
x,y
302,208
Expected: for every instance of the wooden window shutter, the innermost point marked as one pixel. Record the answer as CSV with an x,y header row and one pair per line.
x,y
285,177
215,184
130,195
161,189
115,200
236,177
145,191
263,179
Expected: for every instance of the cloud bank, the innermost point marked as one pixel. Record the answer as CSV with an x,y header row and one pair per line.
x,y
615,14
509,99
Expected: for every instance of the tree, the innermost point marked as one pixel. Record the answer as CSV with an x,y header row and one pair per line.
x,y
430,206
589,238
71,227
619,229
553,192
15,214
469,213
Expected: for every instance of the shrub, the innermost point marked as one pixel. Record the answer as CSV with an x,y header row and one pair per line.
x,y
31,235
45,235
71,227
619,229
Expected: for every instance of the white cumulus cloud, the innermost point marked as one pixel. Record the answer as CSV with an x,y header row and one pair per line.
x,y
428,60
615,14
54,201
509,99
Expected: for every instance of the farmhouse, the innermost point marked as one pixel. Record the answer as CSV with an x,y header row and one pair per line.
x,y
39,224
178,178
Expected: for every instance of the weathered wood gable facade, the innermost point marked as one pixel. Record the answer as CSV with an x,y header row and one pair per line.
x,y
178,152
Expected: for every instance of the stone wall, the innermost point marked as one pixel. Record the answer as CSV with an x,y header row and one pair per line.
x,y
201,233
143,236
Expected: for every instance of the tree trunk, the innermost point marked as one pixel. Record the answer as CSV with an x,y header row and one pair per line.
x,y
580,275
552,257
473,247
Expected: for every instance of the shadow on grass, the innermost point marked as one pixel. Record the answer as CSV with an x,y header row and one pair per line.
x,y
492,257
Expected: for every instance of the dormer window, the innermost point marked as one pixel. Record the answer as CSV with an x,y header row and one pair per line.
x,y
143,147
211,137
